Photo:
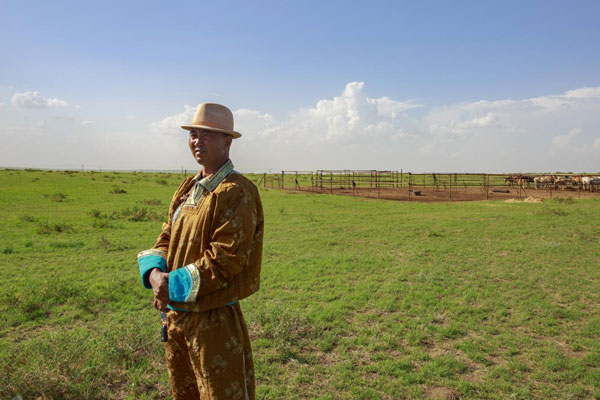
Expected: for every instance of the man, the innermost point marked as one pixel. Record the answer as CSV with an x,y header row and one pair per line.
x,y
206,259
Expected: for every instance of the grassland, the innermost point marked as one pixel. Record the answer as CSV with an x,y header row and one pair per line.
x,y
359,299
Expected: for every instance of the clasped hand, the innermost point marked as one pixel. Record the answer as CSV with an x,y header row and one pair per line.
x,y
160,286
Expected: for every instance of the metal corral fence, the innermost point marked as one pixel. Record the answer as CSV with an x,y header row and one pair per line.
x,y
399,185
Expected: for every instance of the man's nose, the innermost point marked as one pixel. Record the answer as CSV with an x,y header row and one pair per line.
x,y
197,139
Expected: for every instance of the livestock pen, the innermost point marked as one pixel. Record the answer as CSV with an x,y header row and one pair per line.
x,y
427,187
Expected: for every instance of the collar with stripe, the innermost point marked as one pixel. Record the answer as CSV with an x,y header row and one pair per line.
x,y
210,183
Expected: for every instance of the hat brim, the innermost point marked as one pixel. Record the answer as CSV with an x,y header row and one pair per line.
x,y
210,128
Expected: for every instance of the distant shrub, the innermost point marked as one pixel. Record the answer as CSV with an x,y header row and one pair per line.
x,y
58,196
564,200
556,211
138,214
102,223
135,214
28,218
61,227
108,245
66,245
152,202
118,190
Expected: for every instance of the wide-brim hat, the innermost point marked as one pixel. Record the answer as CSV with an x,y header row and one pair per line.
x,y
213,117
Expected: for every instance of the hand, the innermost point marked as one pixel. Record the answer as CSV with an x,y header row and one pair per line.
x,y
160,286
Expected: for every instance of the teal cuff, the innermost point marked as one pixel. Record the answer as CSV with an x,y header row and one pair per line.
x,y
184,284
147,261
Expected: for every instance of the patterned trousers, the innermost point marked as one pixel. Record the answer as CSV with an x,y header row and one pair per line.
x,y
209,355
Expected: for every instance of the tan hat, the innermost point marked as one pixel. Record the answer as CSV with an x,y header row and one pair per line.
x,y
213,117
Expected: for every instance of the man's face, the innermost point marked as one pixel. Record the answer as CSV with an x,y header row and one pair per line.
x,y
209,148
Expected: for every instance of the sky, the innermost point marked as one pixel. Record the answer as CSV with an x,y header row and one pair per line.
x,y
422,86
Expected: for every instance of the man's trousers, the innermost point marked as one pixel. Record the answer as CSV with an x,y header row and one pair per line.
x,y
209,355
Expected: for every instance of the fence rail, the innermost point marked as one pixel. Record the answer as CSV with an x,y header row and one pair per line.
x,y
400,185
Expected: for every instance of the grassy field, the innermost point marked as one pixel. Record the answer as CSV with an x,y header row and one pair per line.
x,y
360,299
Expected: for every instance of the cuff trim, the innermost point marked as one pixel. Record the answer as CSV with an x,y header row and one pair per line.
x,y
147,261
184,284
152,252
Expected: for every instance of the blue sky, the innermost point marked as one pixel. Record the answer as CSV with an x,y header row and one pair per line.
x,y
120,72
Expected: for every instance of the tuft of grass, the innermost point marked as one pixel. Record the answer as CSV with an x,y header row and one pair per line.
x,y
117,190
28,218
7,250
58,196
564,200
66,245
162,182
110,246
59,227
138,214
152,202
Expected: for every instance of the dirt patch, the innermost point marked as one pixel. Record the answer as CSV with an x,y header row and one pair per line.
x,y
442,393
430,195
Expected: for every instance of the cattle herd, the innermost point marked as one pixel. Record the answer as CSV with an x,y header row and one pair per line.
x,y
557,182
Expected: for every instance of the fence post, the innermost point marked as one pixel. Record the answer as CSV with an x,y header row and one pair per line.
x,y
331,182
409,185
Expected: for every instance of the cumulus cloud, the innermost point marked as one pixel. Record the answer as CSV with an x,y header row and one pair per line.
x,y
173,123
355,131
33,99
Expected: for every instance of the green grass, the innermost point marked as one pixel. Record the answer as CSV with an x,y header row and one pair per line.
x,y
359,298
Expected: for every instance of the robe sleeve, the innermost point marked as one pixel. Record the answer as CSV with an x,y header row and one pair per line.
x,y
234,230
156,257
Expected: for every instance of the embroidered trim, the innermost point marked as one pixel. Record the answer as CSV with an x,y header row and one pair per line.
x,y
152,252
207,184
147,261
194,275
210,183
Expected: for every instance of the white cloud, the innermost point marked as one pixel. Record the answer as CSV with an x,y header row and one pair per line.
x,y
33,99
355,131
172,123
42,124
87,123
567,144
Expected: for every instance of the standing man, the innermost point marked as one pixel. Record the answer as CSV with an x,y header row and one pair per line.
x,y
206,259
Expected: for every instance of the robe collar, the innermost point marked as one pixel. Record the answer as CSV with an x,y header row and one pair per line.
x,y
210,183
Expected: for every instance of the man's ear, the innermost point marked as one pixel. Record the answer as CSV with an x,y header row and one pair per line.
x,y
228,140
